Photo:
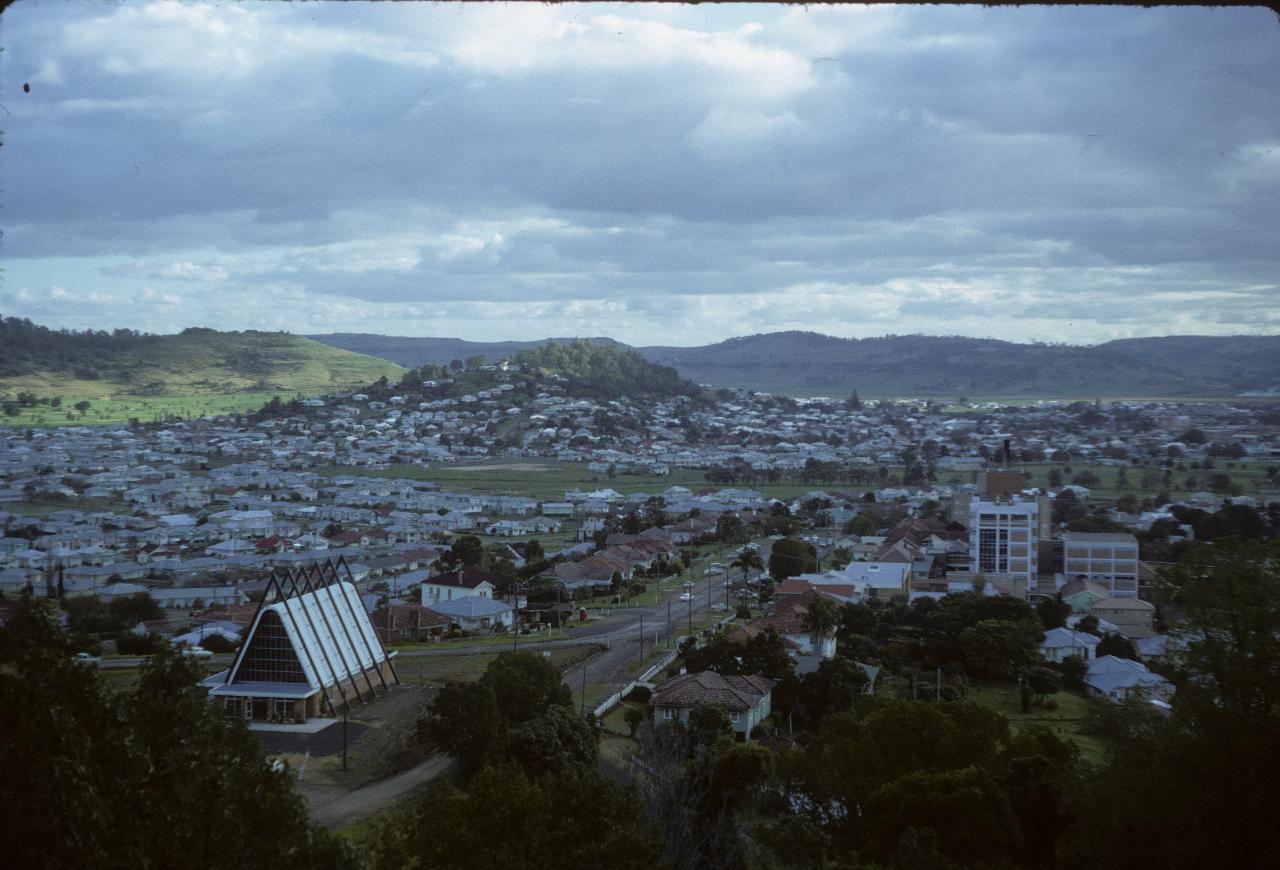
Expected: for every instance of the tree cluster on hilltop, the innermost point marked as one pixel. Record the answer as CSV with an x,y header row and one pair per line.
x,y
604,372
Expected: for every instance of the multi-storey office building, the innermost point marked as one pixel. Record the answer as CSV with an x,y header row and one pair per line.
x,y
1003,539
1108,558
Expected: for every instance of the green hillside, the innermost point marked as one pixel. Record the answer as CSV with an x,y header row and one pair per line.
x,y
163,369
606,372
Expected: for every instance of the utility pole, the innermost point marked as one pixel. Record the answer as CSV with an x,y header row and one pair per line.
x,y
691,615
641,637
668,625
584,689
515,616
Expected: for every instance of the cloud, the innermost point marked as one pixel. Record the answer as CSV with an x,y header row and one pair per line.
x,y
666,173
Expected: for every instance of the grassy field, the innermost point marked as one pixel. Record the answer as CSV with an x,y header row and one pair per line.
x,y
121,409
1066,721
190,375
1143,481
43,508
465,668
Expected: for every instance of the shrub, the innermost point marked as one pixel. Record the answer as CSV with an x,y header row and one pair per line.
x,y
1051,704
130,644
216,643
639,695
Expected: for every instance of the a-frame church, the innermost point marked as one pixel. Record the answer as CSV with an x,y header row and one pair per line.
x,y
310,651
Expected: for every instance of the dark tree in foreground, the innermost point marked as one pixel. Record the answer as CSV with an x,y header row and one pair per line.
x,y
155,777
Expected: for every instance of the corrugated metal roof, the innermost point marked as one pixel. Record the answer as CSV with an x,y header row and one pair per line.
x,y
331,634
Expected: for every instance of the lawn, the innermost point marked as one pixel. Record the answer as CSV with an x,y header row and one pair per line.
x,y
1067,721
468,667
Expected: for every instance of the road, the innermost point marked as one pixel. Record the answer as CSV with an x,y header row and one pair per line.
x,y
620,631
334,808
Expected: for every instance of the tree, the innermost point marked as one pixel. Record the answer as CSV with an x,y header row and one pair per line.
x,y
465,722
1117,645
999,648
556,740
708,723
1053,612
466,550
506,818
821,617
1044,682
634,718
967,810
832,688
82,406
792,556
1200,782
747,559
143,778
525,684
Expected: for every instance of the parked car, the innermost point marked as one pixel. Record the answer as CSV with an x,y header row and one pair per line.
x,y
196,652
686,596
85,659
719,606
688,584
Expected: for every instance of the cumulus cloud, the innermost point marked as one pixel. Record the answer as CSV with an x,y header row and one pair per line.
x,y
662,174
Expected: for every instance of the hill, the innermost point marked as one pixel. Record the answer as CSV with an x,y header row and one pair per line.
x,y
414,352
196,362
606,371
948,366
917,365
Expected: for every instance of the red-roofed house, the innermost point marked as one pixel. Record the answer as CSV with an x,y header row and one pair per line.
x,y
746,699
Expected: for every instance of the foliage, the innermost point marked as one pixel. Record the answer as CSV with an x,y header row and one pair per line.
x,y
763,654
507,818
1053,612
1199,784
832,688
95,362
792,556
1116,645
519,710
607,372
87,613
148,778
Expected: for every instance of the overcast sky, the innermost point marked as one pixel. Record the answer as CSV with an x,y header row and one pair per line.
x,y
659,174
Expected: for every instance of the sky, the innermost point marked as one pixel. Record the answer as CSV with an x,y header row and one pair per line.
x,y
659,174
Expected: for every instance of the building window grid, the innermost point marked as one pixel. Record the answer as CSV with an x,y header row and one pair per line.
x,y
270,657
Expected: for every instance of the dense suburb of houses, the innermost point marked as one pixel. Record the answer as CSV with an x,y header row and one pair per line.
x,y
209,508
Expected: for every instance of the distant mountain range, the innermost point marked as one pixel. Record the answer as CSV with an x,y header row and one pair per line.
x,y
808,363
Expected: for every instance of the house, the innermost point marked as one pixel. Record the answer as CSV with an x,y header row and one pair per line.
x,y
466,582
788,616
1134,617
746,699
475,613
1118,679
401,623
1081,592
185,597
306,654
1059,643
